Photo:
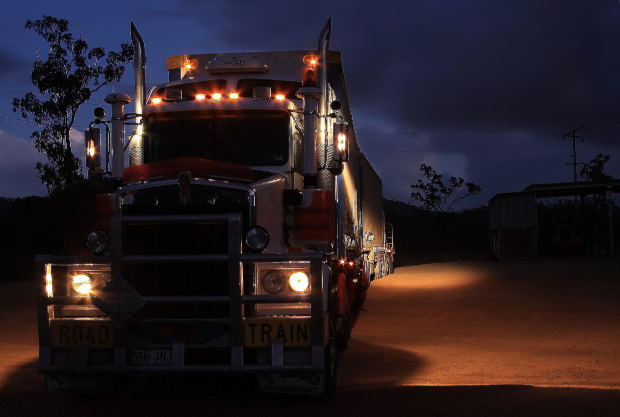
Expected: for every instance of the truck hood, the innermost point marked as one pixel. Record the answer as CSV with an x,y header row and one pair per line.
x,y
199,167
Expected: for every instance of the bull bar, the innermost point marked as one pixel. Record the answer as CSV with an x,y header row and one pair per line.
x,y
236,299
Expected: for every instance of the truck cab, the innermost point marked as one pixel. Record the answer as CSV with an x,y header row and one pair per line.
x,y
232,241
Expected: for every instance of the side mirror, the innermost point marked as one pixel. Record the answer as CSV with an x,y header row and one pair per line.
x,y
99,112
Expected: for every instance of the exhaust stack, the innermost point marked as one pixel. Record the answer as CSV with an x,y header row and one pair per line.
x,y
314,97
136,154
324,38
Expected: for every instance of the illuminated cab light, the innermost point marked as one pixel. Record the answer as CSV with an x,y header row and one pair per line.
x,y
280,97
216,96
200,97
156,100
233,96
188,66
299,281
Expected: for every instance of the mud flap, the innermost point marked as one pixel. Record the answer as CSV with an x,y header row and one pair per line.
x,y
298,383
77,384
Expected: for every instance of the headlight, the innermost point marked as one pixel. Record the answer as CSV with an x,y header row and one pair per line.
x,y
273,282
257,238
82,284
299,281
97,241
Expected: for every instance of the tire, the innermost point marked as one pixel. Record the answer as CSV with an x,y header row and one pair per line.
x,y
344,332
330,372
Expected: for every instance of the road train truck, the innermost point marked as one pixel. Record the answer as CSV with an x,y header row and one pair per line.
x,y
235,228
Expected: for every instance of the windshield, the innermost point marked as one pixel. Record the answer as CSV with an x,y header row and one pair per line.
x,y
249,137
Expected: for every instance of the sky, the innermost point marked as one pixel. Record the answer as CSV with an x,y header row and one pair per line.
x,y
481,89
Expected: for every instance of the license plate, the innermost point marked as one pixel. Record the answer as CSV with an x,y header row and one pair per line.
x,y
159,357
71,333
292,332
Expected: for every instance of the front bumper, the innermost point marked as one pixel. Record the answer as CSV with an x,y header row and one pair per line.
x,y
227,352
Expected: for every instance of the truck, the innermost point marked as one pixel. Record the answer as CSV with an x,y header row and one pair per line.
x,y
235,229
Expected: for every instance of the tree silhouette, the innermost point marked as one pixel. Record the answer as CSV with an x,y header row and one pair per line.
x,y
436,194
65,80
594,171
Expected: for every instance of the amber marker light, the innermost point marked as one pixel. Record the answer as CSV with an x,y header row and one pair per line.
x,y
342,142
233,96
90,150
156,100
311,60
280,97
200,97
216,96
188,66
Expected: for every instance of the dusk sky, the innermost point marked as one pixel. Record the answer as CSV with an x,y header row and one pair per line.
x,y
480,89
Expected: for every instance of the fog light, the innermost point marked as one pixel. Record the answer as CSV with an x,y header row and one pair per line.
x,y
257,238
97,241
273,282
299,281
82,284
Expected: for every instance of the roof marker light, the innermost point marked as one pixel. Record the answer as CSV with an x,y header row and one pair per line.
x,y
216,96
280,97
156,100
200,97
233,96
311,60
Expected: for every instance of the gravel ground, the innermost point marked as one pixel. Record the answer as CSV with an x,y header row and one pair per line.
x,y
538,338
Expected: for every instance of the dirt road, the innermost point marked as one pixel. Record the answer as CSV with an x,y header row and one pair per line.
x,y
528,338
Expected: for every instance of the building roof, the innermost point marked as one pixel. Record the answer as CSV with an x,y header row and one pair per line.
x,y
561,189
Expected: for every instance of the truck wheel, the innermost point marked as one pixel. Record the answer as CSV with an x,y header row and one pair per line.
x,y
344,333
331,368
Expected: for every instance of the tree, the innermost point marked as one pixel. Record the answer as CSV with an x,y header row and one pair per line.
x,y
594,171
435,194
65,80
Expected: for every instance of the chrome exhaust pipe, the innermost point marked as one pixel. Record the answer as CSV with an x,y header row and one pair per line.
x,y
136,147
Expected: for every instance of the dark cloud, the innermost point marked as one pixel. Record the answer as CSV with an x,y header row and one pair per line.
x,y
497,83
12,64
481,88
527,64
17,161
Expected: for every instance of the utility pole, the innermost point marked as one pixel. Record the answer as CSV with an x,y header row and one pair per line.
x,y
573,135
